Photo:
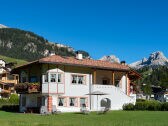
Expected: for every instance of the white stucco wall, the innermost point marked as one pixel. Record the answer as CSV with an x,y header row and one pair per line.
x,y
124,83
117,95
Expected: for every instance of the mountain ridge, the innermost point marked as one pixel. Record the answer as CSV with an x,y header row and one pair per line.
x,y
110,58
155,59
26,45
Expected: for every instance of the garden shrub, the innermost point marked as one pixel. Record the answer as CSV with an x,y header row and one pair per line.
x,y
14,99
129,106
10,104
4,101
153,105
141,100
140,106
10,108
164,106
147,105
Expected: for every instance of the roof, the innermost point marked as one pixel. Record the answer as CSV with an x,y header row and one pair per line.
x,y
89,63
56,59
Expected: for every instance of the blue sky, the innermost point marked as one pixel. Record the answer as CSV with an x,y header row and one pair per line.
x,y
129,29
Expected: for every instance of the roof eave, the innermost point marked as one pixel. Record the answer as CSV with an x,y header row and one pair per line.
x,y
94,67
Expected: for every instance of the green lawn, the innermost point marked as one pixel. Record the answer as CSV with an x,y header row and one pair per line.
x,y
113,118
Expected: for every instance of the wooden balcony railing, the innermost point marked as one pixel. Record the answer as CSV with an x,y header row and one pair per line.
x,y
28,87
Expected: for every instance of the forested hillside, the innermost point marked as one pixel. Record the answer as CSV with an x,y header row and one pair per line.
x,y
28,46
156,77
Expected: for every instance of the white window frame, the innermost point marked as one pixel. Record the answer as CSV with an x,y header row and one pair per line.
x,y
73,101
80,101
56,77
62,101
77,80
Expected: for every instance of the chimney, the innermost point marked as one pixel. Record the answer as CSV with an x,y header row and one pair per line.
x,y
123,63
51,53
79,56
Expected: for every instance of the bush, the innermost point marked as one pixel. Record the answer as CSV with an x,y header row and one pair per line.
x,y
10,108
14,99
141,100
4,101
153,106
140,106
164,106
128,107
148,105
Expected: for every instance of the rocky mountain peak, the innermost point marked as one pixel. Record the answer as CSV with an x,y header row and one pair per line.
x,y
157,56
3,26
111,58
155,59
144,60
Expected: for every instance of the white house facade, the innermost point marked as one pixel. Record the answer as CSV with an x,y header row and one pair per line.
x,y
68,82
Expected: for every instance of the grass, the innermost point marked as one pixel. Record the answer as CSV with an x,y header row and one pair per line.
x,y
113,118
9,59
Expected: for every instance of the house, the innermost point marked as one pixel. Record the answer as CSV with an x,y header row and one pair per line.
x,y
7,81
66,81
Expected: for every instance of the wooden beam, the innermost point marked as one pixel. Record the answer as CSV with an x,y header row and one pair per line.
x,y
94,77
113,78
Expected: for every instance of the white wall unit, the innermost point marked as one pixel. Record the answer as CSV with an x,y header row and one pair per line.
x,y
115,94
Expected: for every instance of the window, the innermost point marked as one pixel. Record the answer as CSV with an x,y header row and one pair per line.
x,y
10,77
45,78
106,81
82,102
56,77
77,79
60,101
33,79
59,78
117,83
53,77
80,79
74,79
24,77
23,101
44,101
39,101
71,101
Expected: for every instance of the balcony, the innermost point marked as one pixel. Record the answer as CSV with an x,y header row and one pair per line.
x,y
9,81
28,88
5,91
104,88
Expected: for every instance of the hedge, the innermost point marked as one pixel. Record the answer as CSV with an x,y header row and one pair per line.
x,y
11,104
147,106
10,108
